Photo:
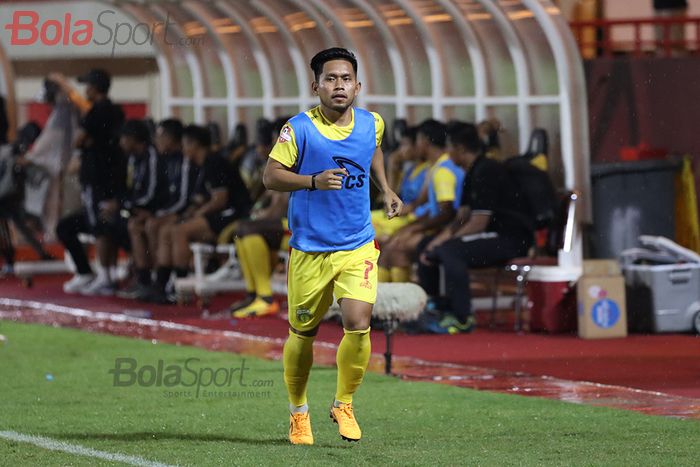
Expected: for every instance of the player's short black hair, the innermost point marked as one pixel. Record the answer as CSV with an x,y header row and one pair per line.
x,y
99,78
26,136
435,131
197,133
465,135
172,127
334,53
410,133
137,129
263,132
279,123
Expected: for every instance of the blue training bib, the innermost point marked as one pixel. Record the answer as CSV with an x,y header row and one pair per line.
x,y
334,220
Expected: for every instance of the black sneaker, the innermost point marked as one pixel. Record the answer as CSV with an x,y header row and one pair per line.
x,y
154,294
135,290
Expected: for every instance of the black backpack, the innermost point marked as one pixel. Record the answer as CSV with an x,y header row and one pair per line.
x,y
539,197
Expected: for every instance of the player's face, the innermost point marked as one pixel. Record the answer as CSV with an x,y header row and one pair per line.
x,y
189,147
164,142
91,92
458,154
422,145
337,86
408,150
127,143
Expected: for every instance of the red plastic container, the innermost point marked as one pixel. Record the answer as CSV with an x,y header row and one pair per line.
x,y
551,295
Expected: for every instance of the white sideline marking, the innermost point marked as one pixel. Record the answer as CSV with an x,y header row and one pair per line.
x,y
54,445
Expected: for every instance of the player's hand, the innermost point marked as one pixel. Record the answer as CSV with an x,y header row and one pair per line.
x,y
392,204
331,179
406,209
426,257
60,80
109,210
428,254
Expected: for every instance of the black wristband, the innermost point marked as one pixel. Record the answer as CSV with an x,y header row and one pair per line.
x,y
313,182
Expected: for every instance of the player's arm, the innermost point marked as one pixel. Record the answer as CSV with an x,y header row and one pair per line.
x,y
218,202
445,186
420,201
392,203
82,104
477,223
463,224
280,178
446,212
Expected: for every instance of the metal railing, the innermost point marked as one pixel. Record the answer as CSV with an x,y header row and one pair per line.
x,y
669,36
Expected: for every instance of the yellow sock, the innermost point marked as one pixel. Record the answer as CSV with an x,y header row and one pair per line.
x,y
383,274
400,274
352,360
258,255
298,356
245,265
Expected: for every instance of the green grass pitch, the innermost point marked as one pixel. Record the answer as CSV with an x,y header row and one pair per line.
x,y
56,383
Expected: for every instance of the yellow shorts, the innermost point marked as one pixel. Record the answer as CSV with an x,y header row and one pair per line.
x,y
313,279
384,227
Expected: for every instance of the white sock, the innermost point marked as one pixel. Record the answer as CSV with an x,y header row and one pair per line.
x,y
300,409
336,403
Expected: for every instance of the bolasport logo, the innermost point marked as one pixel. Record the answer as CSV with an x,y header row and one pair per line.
x,y
29,28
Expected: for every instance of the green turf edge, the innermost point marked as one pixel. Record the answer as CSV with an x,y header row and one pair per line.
x,y
405,423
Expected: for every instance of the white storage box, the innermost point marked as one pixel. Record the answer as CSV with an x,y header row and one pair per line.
x,y
662,297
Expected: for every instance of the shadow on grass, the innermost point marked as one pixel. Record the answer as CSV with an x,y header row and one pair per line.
x,y
150,436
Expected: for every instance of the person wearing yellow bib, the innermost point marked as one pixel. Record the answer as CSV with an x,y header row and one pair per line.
x,y
435,207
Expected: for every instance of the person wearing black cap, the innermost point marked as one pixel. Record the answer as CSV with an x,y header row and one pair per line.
x,y
102,170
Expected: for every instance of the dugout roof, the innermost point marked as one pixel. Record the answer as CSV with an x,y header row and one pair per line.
x,y
516,60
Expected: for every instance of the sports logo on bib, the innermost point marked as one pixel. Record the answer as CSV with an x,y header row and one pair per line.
x,y
356,173
285,134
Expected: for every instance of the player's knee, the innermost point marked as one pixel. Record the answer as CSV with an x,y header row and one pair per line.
x,y
180,233
356,323
307,333
151,227
134,227
165,232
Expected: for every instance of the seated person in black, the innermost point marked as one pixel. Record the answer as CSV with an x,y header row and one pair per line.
x,y
490,228
180,179
142,196
220,199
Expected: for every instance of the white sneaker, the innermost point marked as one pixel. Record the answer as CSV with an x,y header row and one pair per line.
x,y
100,286
78,283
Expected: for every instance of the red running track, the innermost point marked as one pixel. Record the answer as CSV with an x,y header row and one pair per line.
x,y
666,363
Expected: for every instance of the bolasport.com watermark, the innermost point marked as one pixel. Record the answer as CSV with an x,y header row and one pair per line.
x,y
28,27
191,379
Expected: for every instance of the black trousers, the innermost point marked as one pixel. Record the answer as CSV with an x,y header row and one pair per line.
x,y
458,255
70,226
11,210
